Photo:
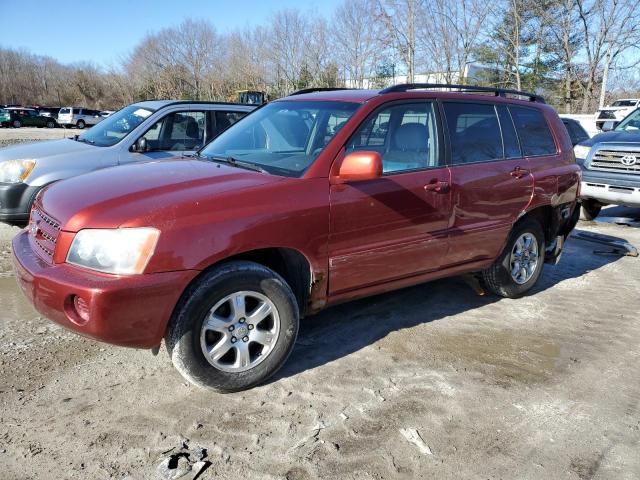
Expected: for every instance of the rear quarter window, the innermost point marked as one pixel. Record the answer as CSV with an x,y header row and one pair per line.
x,y
534,133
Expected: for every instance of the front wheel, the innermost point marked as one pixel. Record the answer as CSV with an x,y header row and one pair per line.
x,y
80,124
234,328
518,267
590,210
17,124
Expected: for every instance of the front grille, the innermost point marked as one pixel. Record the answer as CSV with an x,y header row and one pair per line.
x,y
616,161
607,114
44,231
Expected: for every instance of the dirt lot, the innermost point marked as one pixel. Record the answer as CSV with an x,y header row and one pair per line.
x,y
544,387
9,136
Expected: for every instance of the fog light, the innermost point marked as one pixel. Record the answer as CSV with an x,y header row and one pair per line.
x,y
81,307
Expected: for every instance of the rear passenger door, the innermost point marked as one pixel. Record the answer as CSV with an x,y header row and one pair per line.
x,y
491,182
396,226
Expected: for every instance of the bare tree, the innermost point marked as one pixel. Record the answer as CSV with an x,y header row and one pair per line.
x,y
609,28
400,20
356,39
450,32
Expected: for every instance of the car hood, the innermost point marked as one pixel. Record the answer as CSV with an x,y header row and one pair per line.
x,y
614,137
48,148
147,194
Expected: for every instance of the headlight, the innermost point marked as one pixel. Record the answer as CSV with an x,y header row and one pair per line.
x,y
15,171
581,151
121,251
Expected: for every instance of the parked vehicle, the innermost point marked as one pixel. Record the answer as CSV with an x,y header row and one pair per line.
x,y
616,111
5,117
576,132
140,132
610,163
49,112
313,199
249,97
28,117
78,117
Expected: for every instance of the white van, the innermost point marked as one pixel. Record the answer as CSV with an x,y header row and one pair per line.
x,y
78,117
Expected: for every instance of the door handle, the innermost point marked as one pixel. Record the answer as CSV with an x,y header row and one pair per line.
x,y
519,172
437,186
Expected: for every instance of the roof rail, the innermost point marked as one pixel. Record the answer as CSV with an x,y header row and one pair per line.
x,y
318,89
498,92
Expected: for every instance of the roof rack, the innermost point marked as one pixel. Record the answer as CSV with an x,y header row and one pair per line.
x,y
318,89
498,92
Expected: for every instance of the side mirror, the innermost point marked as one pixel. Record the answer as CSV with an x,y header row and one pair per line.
x,y
140,145
608,126
360,166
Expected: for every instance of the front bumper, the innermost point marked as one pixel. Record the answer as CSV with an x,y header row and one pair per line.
x,y
610,188
16,200
131,311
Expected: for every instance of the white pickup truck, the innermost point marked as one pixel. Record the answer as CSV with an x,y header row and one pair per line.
x,y
616,111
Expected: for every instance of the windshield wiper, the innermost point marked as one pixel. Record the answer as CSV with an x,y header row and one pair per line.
x,y
234,162
83,140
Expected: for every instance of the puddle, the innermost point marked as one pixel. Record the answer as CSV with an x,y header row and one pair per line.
x,y
503,356
627,221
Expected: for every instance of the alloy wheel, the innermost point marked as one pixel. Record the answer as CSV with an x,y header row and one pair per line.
x,y
524,258
240,331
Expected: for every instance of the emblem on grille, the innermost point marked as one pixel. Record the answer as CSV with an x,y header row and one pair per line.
x,y
629,160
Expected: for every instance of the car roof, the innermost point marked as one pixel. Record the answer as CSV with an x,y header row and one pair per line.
x,y
158,104
362,96
346,95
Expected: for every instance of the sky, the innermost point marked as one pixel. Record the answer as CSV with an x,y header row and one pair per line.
x,y
102,31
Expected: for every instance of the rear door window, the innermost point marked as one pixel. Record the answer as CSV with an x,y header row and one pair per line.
x,y
534,133
225,119
474,132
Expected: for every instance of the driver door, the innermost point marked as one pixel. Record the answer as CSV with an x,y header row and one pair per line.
x,y
175,135
395,226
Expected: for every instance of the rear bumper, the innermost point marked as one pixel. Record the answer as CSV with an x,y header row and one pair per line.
x,y
15,201
131,311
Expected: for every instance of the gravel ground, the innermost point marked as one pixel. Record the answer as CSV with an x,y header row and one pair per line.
x,y
10,136
432,381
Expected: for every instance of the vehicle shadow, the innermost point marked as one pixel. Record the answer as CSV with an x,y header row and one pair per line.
x,y
347,328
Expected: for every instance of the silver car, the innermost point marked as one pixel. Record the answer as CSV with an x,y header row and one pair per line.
x,y
140,132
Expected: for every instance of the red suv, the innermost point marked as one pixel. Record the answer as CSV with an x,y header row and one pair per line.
x,y
318,198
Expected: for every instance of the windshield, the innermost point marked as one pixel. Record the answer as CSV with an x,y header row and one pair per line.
x,y
624,103
283,137
116,126
630,123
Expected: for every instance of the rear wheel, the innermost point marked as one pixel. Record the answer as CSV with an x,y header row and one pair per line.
x,y
51,124
234,328
518,267
590,209
80,124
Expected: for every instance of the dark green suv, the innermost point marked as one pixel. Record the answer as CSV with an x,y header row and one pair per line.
x,y
28,117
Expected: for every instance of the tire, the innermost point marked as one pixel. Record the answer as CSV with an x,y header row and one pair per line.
x,y
498,278
80,124
17,124
590,210
51,124
189,335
